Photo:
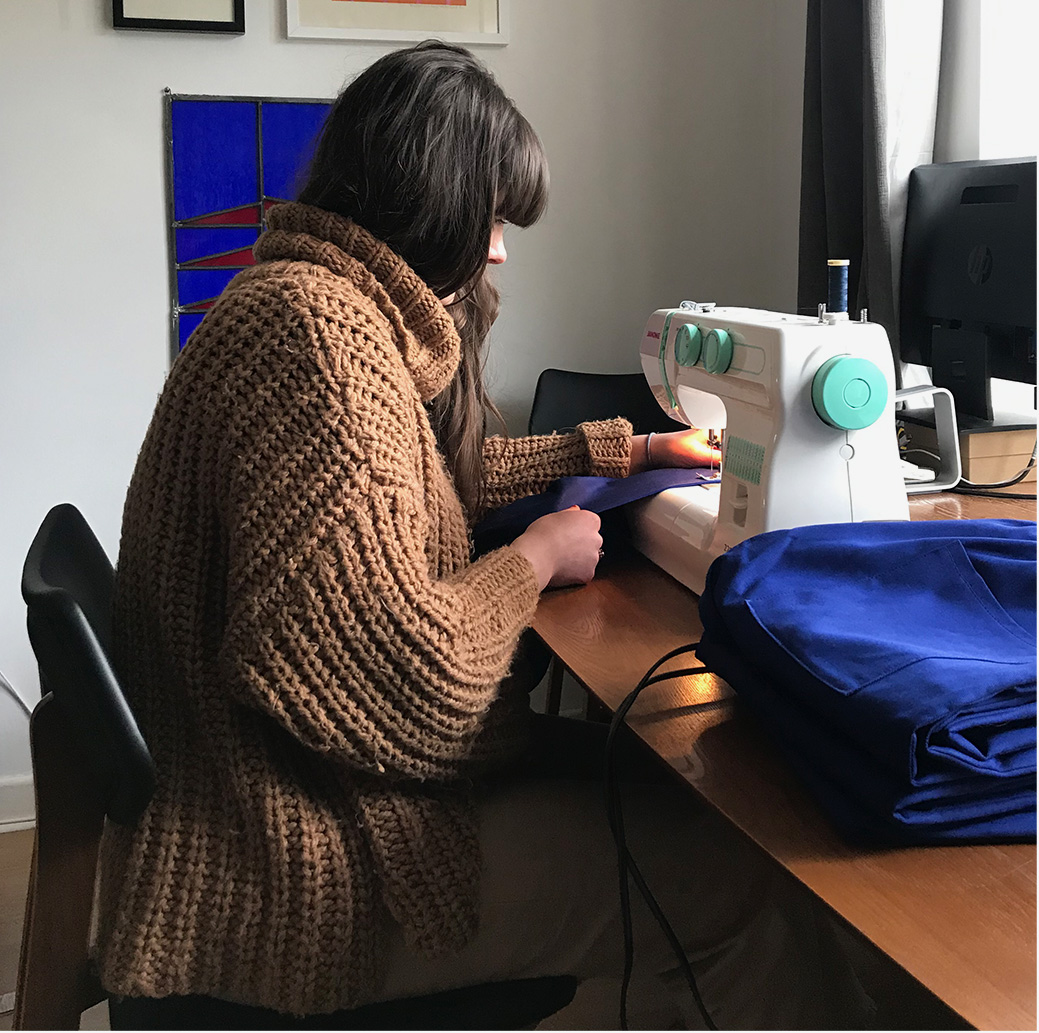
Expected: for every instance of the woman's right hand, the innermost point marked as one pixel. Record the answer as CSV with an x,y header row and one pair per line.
x,y
563,548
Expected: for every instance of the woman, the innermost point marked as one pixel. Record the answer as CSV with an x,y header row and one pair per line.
x,y
320,669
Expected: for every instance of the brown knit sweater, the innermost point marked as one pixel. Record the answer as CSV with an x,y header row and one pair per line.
x,y
316,664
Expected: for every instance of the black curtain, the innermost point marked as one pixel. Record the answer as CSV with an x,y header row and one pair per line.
x,y
843,180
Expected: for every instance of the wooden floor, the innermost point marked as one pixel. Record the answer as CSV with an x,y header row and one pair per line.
x,y
15,857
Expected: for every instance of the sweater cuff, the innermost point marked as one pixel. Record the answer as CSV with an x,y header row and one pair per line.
x,y
609,447
503,587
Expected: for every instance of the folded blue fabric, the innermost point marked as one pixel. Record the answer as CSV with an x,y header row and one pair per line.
x,y
896,664
599,494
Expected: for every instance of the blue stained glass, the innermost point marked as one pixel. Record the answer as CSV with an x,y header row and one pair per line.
x,y
214,156
199,243
289,133
215,167
186,324
195,285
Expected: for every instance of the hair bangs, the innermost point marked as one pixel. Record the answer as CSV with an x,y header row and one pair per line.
x,y
523,181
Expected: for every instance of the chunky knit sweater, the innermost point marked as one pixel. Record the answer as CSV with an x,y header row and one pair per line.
x,y
316,664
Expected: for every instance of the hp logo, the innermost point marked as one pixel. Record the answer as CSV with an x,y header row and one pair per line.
x,y
979,264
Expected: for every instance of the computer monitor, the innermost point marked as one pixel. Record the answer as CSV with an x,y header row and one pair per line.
x,y
968,285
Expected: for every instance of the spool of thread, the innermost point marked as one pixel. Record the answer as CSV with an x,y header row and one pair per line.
x,y
837,285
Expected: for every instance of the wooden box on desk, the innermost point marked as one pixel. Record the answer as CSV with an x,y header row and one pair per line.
x,y
987,455
999,455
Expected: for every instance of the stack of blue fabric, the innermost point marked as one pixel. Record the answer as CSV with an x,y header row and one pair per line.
x,y
895,664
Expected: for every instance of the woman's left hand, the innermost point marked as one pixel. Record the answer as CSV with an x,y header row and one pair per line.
x,y
690,449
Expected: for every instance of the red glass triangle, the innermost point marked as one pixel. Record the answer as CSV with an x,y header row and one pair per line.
x,y
246,215
228,260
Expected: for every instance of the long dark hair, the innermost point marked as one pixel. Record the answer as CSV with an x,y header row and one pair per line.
x,y
425,151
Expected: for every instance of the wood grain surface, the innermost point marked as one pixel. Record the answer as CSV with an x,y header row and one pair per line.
x,y
961,920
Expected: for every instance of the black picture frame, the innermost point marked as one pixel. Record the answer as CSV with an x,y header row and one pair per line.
x,y
235,26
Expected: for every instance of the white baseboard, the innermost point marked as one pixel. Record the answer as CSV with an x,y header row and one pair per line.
x,y
17,803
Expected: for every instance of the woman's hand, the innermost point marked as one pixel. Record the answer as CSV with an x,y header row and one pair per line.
x,y
681,448
563,548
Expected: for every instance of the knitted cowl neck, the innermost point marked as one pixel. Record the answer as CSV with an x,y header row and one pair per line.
x,y
425,332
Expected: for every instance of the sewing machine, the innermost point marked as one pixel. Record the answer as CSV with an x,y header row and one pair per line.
x,y
807,409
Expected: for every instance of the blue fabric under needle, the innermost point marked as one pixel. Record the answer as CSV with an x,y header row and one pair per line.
x,y
598,494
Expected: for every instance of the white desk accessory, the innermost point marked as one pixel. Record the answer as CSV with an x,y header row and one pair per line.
x,y
944,468
808,410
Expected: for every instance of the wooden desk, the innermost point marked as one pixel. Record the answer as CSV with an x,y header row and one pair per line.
x,y
961,920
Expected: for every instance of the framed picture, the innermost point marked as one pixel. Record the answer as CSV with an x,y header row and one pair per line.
x,y
180,15
455,21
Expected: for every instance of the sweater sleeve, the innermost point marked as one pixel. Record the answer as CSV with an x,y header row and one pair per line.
x,y
340,626
517,467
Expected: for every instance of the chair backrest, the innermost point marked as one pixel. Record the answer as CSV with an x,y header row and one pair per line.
x,y
563,398
89,760
67,583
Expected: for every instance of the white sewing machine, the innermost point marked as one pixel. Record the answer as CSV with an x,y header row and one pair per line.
x,y
807,406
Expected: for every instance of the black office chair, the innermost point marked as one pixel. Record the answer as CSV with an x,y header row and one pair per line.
x,y
90,763
564,398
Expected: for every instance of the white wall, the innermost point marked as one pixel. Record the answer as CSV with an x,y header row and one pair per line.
x,y
672,127
986,108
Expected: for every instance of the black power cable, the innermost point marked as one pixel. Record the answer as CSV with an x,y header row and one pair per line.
x,y
626,865
966,487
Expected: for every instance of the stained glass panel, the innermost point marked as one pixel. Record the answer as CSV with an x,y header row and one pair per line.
x,y
228,161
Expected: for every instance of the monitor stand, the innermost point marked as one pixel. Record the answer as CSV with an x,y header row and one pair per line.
x,y
994,446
